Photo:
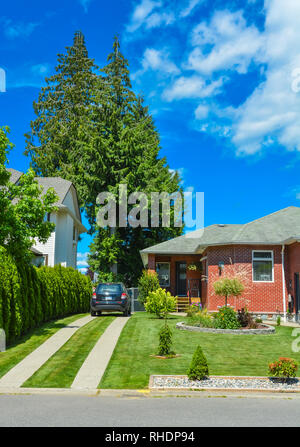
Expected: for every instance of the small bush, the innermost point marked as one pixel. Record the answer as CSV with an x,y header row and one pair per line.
x,y
283,368
278,321
245,319
165,341
226,318
148,282
201,318
160,303
192,309
258,320
198,369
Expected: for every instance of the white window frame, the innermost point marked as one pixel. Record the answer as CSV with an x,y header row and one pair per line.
x,y
169,264
263,259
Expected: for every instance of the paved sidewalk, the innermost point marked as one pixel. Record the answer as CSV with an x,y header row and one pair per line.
x,y
30,364
92,370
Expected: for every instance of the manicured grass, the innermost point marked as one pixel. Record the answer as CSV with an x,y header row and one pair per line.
x,y
131,364
60,370
22,347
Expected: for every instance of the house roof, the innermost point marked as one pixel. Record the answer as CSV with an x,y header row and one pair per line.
x,y
280,227
60,185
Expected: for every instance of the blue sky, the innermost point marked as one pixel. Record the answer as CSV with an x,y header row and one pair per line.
x,y
220,78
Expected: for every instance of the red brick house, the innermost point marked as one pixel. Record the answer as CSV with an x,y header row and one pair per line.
x,y
264,254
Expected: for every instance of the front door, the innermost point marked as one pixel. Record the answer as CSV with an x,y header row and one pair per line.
x,y
181,278
297,294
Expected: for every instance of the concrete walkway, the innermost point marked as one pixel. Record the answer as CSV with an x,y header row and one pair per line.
x,y
93,368
30,364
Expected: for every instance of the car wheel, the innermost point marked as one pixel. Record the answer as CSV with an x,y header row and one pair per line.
x,y
125,313
93,314
99,313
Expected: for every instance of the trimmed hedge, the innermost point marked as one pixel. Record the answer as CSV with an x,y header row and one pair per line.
x,y
30,296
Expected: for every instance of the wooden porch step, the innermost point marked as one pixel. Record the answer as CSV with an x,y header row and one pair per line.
x,y
182,303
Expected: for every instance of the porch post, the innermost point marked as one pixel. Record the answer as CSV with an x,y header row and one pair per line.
x,y
283,284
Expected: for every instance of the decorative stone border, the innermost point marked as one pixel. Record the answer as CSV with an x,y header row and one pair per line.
x,y
224,383
266,330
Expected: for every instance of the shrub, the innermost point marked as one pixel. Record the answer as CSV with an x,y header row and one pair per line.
x,y
160,303
31,296
228,287
165,341
278,321
226,318
198,369
283,368
245,318
201,318
192,309
148,282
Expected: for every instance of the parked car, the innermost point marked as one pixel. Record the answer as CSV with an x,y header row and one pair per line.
x,y
110,297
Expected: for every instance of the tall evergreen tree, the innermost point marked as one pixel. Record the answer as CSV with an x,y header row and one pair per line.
x,y
93,130
60,136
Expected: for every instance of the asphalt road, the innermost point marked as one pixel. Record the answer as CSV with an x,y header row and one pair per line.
x,y
111,411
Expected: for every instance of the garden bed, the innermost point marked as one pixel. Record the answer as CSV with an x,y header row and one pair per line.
x,y
163,382
262,329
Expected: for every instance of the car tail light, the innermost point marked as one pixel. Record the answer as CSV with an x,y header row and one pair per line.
x,y
123,296
94,295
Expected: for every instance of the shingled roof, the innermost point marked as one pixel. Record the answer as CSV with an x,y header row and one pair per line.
x,y
280,227
60,185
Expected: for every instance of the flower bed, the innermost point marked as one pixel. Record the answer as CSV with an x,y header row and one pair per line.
x,y
224,383
262,329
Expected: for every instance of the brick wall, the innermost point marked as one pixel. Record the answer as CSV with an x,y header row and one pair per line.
x,y
258,296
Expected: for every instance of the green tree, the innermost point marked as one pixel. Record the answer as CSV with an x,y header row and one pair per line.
x,y
228,287
22,208
92,129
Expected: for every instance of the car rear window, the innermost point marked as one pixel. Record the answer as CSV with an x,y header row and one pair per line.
x,y
110,288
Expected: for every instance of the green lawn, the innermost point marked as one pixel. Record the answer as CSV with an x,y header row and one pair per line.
x,y
131,364
60,370
22,347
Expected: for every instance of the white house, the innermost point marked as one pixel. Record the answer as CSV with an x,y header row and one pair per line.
x,y
61,247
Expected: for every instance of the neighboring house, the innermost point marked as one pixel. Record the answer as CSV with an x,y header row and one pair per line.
x,y
264,253
61,247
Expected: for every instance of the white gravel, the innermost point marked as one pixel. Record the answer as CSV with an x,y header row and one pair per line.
x,y
255,383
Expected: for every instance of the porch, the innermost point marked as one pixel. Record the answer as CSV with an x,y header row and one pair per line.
x,y
182,275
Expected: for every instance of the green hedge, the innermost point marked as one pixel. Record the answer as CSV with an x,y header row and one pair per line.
x,y
30,296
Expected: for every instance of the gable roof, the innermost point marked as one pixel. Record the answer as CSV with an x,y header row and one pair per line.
x,y
60,185
277,228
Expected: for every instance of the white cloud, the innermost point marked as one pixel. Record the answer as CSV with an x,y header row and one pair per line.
x,y
201,112
13,30
271,114
85,4
190,7
142,14
156,60
233,44
82,260
192,87
40,69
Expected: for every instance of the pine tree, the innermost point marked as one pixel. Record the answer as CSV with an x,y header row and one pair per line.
x,y
93,130
60,139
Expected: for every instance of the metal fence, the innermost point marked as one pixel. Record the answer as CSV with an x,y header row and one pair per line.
x,y
136,306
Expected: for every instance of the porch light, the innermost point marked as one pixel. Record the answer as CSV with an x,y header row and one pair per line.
x,y
221,267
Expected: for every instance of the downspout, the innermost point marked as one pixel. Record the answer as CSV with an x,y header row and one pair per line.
x,y
283,284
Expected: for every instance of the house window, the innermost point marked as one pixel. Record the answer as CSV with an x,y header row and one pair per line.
x,y
163,273
262,266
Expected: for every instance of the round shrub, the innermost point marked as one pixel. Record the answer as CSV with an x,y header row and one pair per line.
x,y
198,369
283,368
160,303
226,318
